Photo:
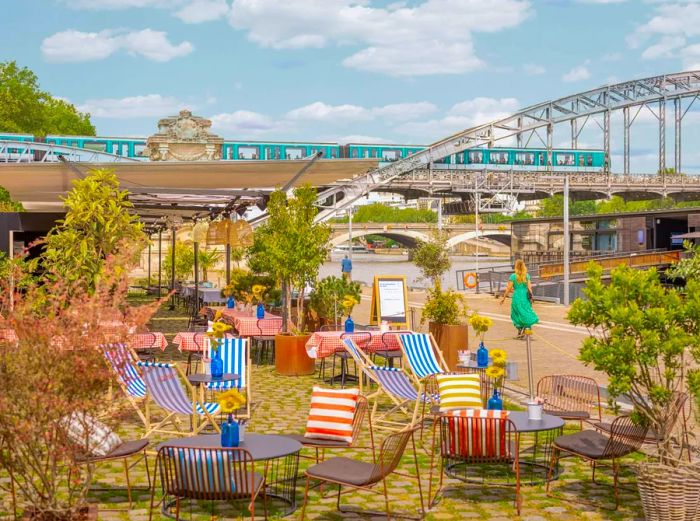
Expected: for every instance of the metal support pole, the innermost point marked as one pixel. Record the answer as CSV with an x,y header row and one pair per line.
x,y
228,264
160,259
550,135
574,134
439,212
530,384
350,233
677,119
626,140
567,245
196,277
662,138
519,135
477,198
606,140
148,267
172,268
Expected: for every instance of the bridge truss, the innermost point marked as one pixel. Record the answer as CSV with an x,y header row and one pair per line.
x,y
630,97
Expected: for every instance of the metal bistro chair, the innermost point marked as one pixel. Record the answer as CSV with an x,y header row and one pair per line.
x,y
360,475
571,397
392,350
360,338
265,341
322,365
201,340
209,474
625,438
147,354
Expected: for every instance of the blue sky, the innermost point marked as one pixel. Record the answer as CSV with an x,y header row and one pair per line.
x,y
341,70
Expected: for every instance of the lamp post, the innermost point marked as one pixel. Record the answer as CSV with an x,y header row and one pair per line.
x,y
350,232
567,245
160,255
172,266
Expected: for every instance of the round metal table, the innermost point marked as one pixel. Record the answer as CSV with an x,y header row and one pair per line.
x,y
280,454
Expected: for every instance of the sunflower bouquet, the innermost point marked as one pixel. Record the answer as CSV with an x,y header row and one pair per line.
x,y
497,371
218,329
230,401
349,302
480,325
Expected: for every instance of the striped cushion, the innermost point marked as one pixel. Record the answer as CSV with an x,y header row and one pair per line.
x,y
201,471
459,391
91,435
478,434
331,414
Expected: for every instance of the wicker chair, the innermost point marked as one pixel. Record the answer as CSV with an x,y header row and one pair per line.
x,y
625,438
571,397
501,446
360,475
219,474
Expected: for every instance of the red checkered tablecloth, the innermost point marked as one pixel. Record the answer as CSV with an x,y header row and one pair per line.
x,y
148,341
193,341
248,325
325,343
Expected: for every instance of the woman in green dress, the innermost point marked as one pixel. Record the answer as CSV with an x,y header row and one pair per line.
x,y
521,312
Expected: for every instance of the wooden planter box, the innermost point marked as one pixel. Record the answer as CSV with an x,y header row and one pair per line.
x,y
450,340
290,355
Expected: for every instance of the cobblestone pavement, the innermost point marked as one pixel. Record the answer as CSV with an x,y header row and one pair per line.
x,y
283,408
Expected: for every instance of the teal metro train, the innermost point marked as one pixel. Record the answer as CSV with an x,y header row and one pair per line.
x,y
494,158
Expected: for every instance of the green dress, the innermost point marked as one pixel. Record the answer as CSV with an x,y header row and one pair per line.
x,y
521,312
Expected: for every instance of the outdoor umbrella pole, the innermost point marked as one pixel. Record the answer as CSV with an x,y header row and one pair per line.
x,y
172,269
148,284
528,344
228,263
160,253
195,309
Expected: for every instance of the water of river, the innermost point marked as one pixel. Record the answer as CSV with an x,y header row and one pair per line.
x,y
366,265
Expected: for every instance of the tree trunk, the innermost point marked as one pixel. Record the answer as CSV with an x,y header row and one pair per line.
x,y
287,305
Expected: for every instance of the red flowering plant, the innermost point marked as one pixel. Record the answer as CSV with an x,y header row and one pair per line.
x,y
52,372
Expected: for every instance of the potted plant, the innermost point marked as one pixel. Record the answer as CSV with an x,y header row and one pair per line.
x,y
327,297
291,247
648,343
444,310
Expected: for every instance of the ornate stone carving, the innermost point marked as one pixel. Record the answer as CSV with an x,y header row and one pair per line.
x,y
184,138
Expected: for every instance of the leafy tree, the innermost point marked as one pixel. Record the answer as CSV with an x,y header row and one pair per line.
x,y
554,207
689,266
207,259
291,247
25,108
329,293
444,307
382,213
647,339
184,261
7,204
98,223
431,257
237,255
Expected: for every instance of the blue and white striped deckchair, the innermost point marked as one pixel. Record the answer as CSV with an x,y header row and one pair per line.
x,y
164,387
396,384
235,354
360,357
122,360
423,359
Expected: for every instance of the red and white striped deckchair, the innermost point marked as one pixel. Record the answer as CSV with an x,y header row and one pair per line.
x,y
164,388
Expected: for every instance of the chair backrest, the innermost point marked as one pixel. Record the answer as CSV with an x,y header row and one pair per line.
x,y
163,384
568,392
391,341
394,381
360,412
359,356
122,361
331,327
269,326
236,358
390,454
201,340
625,437
419,352
361,338
207,473
470,436
148,339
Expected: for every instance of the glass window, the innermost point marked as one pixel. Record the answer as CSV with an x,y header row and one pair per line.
x,y
98,146
524,158
139,150
277,152
390,155
247,152
565,159
294,152
334,152
353,153
476,157
499,158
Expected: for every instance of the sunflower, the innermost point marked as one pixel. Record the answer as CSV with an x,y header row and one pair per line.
x,y
258,290
498,353
495,372
231,401
218,330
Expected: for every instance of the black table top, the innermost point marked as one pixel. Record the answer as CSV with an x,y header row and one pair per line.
x,y
201,378
523,424
260,446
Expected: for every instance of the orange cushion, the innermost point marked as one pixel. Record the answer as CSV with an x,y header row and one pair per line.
x,y
331,414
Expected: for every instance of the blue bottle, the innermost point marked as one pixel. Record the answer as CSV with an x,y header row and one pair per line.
x,y
217,364
495,403
349,325
482,356
230,303
260,312
230,433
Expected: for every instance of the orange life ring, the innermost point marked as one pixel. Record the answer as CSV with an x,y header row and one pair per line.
x,y
469,280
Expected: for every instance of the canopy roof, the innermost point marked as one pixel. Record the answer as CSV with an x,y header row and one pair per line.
x,y
177,188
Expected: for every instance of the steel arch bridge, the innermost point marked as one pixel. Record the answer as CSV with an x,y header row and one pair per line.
x,y
26,151
576,110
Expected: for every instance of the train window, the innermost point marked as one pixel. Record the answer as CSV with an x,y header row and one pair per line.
x,y
589,159
581,160
248,152
476,157
353,153
294,153
540,159
139,150
277,153
390,155
334,152
499,158
525,158
565,159
98,146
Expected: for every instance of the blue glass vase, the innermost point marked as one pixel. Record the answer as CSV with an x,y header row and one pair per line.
x,y
349,325
482,356
217,364
495,403
260,312
230,433
230,303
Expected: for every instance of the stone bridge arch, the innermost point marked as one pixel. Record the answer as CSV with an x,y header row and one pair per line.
x,y
502,236
408,238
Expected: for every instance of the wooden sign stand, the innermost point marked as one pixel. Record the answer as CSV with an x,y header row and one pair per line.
x,y
390,301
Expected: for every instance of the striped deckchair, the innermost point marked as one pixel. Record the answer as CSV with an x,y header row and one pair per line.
x,y
361,360
235,353
424,358
122,361
164,387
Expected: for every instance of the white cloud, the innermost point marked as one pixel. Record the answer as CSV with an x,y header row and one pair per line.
x,y
533,69
98,5
663,48
601,1
150,105
433,37
200,11
404,111
245,123
319,111
578,73
78,46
